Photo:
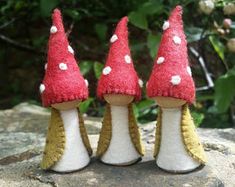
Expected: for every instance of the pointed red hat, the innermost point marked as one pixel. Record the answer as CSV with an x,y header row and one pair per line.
x,y
62,81
171,75
119,75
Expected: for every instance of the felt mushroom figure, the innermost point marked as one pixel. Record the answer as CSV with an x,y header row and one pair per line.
x,y
119,86
177,146
63,88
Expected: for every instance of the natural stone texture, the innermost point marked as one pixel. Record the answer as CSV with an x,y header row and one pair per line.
x,y
15,143
98,174
26,117
22,137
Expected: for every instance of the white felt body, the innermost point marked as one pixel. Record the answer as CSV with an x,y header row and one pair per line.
x,y
75,155
121,150
172,155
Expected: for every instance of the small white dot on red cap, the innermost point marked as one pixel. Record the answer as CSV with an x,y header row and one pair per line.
x,y
70,49
113,38
189,70
175,80
63,66
86,82
42,88
107,70
166,25
127,59
160,60
53,29
177,40
45,66
141,83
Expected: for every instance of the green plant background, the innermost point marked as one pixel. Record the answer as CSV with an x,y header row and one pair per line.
x,y
24,31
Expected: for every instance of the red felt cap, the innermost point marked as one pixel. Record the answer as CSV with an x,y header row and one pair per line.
x,y
119,75
171,74
62,81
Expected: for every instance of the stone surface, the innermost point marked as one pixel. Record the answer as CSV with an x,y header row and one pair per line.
x,y
31,118
22,137
98,174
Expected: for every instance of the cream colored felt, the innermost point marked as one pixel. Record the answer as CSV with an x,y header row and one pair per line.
x,y
169,102
118,99
172,155
121,150
66,105
75,155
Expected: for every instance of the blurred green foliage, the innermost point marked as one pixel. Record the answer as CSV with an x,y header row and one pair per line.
x,y
24,27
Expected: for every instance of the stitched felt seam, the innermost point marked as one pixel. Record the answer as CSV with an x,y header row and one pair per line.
x,y
120,77
170,78
190,137
105,133
55,141
158,133
134,131
84,135
63,80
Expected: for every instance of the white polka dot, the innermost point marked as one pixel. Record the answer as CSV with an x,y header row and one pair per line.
x,y
166,25
141,83
160,60
63,66
127,59
86,82
45,66
42,88
70,49
177,40
53,29
175,80
113,38
106,70
189,71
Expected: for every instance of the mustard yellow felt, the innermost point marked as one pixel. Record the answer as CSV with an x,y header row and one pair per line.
x,y
55,141
189,136
106,132
84,135
158,133
134,131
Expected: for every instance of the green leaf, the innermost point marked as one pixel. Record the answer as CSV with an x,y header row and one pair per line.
x,y
143,107
218,46
197,118
193,33
224,91
101,30
98,67
85,105
151,7
152,43
46,6
136,111
85,66
145,104
138,19
74,14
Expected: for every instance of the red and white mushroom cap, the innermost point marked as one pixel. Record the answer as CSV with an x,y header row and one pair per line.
x,y
171,75
62,81
119,75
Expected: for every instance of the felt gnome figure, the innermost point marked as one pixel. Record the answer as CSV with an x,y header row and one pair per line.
x,y
177,146
63,88
119,86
